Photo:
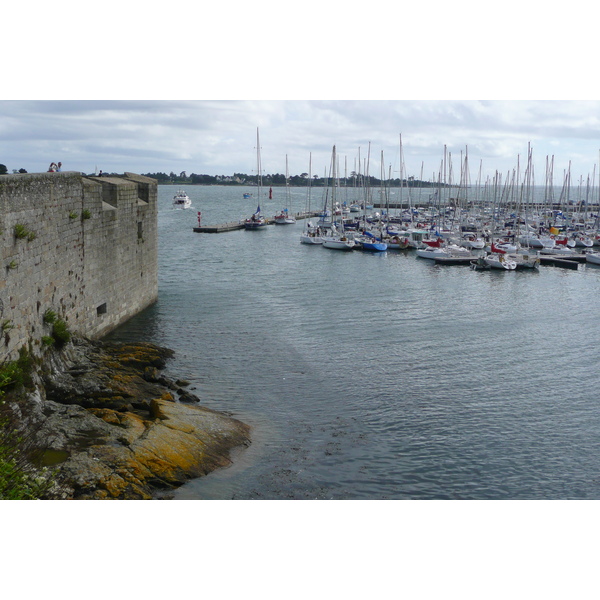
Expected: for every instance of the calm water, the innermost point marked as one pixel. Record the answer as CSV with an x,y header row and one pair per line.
x,y
376,376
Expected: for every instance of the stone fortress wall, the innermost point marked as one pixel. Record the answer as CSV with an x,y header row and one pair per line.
x,y
83,247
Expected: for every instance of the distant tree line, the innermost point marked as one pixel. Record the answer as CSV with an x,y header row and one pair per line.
x,y
278,179
355,179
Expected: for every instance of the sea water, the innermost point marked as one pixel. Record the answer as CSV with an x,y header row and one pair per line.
x,y
372,376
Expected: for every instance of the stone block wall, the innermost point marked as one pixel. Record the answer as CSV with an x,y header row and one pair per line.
x,y
83,247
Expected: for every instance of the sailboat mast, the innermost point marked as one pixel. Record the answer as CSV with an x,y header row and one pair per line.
x,y
346,179
333,177
288,194
308,190
258,165
401,171
309,178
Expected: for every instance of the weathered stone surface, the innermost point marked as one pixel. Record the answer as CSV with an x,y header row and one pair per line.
x,y
118,435
90,253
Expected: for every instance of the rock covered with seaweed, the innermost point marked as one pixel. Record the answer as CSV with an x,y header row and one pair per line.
x,y
114,426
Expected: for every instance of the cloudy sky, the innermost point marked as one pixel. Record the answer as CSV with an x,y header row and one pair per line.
x,y
178,90
219,137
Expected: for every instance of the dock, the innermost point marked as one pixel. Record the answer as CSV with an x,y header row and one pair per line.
x,y
235,225
566,262
571,261
223,227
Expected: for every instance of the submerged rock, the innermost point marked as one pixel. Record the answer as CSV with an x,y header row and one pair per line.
x,y
112,427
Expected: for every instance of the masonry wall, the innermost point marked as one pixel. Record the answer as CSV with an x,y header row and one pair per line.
x,y
89,252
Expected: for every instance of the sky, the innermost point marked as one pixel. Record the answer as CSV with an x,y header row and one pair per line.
x,y
184,89
219,137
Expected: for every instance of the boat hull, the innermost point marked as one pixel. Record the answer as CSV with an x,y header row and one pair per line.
x,y
431,253
338,244
311,240
253,225
374,246
593,258
498,261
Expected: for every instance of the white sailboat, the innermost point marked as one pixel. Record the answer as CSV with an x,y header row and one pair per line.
x,y
499,261
285,217
310,233
335,238
257,221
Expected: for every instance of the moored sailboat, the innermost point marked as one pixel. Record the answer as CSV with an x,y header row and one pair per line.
x,y
311,234
285,217
334,239
499,261
257,221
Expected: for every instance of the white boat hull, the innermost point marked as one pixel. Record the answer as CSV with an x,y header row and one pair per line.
x,y
498,261
477,244
431,253
560,250
593,257
584,242
525,261
338,244
311,240
284,220
537,242
451,251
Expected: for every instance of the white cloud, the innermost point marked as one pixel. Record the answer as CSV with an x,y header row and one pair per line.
x,y
219,137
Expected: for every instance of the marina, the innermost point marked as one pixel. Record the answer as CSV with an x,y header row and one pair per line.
x,y
503,225
571,261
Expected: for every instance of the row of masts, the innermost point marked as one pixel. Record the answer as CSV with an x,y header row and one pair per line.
x,y
514,191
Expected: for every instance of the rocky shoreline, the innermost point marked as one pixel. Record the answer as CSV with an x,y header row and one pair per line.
x,y
112,426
